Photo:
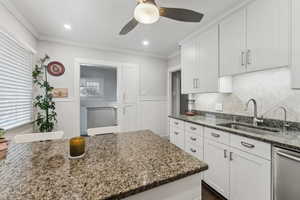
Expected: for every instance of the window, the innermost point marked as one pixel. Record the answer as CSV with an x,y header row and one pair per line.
x,y
15,83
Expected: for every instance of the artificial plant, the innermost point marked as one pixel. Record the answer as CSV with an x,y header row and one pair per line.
x,y
46,115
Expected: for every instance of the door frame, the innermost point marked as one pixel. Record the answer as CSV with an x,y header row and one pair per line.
x,y
85,61
169,92
169,85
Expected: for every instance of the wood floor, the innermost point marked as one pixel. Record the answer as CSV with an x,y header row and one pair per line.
x,y
207,194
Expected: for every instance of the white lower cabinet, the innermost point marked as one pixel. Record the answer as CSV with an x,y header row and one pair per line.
x,y
217,176
177,137
239,168
250,176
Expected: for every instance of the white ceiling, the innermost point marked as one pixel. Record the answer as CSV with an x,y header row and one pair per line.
x,y
98,22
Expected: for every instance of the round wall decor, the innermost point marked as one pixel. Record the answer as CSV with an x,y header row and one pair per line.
x,y
56,68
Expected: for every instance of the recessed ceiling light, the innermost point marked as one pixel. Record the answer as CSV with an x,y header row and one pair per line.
x,y
67,26
145,43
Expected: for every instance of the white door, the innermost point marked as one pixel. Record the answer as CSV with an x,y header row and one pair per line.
x,y
250,177
233,44
189,67
217,176
207,55
130,84
268,34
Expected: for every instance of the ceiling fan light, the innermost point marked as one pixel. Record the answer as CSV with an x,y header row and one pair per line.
x,y
146,13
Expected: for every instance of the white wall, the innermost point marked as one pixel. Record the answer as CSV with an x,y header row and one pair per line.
x,y
11,25
152,82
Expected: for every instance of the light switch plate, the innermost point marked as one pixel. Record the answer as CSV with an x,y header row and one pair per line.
x,y
219,107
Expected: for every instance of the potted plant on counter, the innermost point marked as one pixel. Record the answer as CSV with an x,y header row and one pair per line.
x,y
46,115
3,144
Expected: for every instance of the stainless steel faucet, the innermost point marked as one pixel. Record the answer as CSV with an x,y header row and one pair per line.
x,y
285,123
255,117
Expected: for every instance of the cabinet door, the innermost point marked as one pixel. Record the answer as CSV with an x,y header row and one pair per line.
x,y
295,44
217,176
207,55
250,177
189,67
179,138
267,34
233,44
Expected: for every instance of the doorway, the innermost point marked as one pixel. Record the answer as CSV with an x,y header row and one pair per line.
x,y
98,98
179,101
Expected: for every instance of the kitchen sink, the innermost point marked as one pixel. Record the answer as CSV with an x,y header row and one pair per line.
x,y
250,128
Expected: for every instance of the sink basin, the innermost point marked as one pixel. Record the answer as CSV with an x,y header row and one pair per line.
x,y
250,128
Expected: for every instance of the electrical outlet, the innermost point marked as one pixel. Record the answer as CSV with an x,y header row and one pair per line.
x,y
219,107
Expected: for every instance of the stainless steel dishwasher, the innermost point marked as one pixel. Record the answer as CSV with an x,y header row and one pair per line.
x,y
286,174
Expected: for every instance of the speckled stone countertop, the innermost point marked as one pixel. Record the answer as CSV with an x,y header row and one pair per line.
x,y
115,166
289,139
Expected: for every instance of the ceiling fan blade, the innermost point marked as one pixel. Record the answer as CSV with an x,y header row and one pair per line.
x,y
181,14
129,27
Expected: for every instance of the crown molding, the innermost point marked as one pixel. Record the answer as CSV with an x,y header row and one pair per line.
x,y
174,54
19,17
100,47
215,21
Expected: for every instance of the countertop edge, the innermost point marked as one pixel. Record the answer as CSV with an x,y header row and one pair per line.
x,y
157,184
284,145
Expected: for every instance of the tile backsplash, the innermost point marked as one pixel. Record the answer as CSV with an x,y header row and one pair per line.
x,y
270,88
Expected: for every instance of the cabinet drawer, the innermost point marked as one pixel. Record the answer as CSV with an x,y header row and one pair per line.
x,y
216,135
193,128
194,138
194,150
177,123
252,146
177,137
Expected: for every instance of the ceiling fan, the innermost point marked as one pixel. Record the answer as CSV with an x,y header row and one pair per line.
x,y
147,12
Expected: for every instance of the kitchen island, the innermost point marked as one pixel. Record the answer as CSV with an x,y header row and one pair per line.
x,y
133,165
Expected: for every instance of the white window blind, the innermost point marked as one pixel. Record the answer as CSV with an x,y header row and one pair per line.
x,y
15,83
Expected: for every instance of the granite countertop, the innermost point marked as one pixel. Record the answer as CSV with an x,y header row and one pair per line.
x,y
289,139
115,166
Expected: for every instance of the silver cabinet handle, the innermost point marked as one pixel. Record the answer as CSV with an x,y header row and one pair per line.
x,y
247,145
231,156
215,135
243,58
176,133
176,123
225,153
289,156
193,150
249,58
193,139
193,128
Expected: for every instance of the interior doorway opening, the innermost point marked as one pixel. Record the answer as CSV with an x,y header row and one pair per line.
x,y
179,101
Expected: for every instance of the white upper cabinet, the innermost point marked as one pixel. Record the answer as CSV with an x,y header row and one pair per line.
x,y
189,66
268,34
200,63
295,44
207,53
233,44
255,38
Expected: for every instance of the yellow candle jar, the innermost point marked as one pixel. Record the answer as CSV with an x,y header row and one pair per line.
x,y
77,147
